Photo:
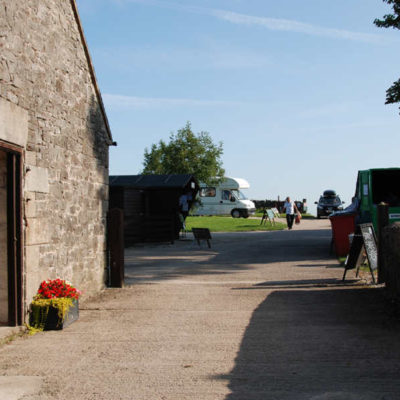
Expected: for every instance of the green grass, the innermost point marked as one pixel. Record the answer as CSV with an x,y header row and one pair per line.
x,y
342,260
260,213
305,215
229,224
363,267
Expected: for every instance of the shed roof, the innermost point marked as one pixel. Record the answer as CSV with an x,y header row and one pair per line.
x,y
152,181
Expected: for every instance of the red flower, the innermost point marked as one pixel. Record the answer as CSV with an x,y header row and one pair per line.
x,y
57,288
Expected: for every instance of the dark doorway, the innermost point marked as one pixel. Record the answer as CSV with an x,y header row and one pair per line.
x,y
385,186
11,304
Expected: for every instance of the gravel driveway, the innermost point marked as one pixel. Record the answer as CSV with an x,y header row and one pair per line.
x,y
260,315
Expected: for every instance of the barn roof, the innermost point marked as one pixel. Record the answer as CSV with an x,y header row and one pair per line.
x,y
91,71
152,181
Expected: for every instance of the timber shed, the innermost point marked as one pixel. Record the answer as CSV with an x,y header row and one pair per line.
x,y
151,205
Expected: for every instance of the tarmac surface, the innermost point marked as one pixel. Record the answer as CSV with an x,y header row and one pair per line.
x,y
260,315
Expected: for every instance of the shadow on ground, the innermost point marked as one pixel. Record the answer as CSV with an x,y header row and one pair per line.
x,y
302,284
229,252
318,344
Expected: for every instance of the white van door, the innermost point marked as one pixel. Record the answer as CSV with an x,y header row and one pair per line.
x,y
227,201
209,197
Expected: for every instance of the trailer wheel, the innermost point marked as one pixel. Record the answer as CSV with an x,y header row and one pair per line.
x,y
235,214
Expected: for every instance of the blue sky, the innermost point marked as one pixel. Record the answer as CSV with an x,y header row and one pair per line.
x,y
294,89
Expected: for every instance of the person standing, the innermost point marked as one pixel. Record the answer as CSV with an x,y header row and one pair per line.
x,y
290,208
184,203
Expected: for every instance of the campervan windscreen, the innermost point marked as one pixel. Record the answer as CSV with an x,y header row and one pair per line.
x,y
386,187
239,195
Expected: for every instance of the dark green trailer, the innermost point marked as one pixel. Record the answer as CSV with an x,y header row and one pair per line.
x,y
375,186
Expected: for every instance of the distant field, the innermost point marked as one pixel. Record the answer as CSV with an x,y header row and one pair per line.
x,y
229,224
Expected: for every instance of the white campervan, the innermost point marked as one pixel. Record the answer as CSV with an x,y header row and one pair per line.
x,y
225,198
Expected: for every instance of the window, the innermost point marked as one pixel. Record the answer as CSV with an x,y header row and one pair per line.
x,y
226,195
238,194
207,192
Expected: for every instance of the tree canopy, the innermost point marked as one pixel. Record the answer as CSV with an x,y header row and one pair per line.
x,y
391,21
186,153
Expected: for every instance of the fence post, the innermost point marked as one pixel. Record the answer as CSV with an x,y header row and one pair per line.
x,y
115,229
383,220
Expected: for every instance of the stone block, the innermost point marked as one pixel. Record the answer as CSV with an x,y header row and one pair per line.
x,y
34,275
37,231
30,205
32,258
30,157
37,179
13,123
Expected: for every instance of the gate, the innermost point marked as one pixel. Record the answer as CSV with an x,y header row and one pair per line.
x,y
115,239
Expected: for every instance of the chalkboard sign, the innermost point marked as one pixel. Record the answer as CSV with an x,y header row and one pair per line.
x,y
355,257
202,234
363,246
268,215
271,214
368,234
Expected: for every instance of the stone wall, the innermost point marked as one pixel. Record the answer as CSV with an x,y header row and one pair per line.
x,y
44,71
3,240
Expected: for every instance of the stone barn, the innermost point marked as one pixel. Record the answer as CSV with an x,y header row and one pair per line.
x,y
54,141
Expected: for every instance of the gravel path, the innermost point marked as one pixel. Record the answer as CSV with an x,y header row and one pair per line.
x,y
261,315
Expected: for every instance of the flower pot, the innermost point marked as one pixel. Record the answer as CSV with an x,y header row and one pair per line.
x,y
48,317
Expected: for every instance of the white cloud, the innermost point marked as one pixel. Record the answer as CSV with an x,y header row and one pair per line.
x,y
277,24
133,102
274,24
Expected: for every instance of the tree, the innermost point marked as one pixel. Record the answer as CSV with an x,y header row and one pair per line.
x,y
391,21
186,153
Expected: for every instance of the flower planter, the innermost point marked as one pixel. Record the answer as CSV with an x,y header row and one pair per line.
x,y
48,317
55,306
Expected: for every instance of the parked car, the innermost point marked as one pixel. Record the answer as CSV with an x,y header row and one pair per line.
x,y
328,203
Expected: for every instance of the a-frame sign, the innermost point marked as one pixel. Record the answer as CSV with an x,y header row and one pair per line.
x,y
363,245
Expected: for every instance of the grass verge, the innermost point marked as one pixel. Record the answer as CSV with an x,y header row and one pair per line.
x,y
229,224
305,215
